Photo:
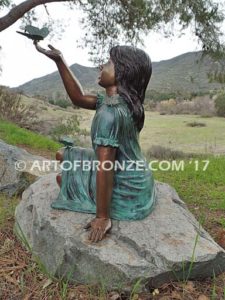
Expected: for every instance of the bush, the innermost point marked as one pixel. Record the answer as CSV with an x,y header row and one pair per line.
x,y
11,109
159,96
39,97
150,105
70,127
198,106
62,103
160,152
167,106
196,124
220,105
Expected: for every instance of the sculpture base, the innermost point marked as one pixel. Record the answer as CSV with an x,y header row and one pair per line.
x,y
158,249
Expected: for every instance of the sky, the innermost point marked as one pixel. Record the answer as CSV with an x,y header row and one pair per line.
x,y
21,62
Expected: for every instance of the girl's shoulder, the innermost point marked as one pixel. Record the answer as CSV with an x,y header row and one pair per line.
x,y
99,100
115,110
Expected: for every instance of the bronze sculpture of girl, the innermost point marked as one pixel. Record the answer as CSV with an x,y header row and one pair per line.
x,y
128,191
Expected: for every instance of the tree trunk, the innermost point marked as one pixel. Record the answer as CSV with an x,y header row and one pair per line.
x,y
18,11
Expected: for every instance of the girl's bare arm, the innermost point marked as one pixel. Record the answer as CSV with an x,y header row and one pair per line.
x,y
71,83
104,188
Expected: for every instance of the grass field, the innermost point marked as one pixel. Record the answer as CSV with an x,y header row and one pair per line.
x,y
172,131
165,130
202,190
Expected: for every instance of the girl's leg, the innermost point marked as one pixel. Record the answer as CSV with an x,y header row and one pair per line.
x,y
59,157
59,179
59,154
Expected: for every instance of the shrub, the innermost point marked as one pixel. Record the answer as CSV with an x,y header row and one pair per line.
x,y
51,101
160,152
198,106
70,127
167,106
40,97
204,106
196,124
11,109
61,102
220,105
150,105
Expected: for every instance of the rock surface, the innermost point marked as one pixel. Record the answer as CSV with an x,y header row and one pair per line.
x,y
18,169
156,249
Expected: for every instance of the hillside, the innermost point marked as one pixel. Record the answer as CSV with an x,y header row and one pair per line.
x,y
185,73
51,85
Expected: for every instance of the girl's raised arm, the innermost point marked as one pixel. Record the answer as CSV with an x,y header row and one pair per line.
x,y
71,83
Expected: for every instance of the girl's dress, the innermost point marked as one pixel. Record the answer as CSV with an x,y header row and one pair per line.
x,y
134,193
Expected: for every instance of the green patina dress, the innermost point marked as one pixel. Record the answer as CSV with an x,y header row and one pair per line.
x,y
134,194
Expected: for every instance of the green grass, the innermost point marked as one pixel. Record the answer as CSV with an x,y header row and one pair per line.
x,y
15,135
205,189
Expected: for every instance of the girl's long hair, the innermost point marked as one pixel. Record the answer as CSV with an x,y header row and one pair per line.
x,y
133,71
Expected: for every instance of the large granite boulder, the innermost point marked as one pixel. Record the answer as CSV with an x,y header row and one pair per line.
x,y
168,244
18,169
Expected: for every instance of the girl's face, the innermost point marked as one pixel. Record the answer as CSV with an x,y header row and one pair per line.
x,y
107,74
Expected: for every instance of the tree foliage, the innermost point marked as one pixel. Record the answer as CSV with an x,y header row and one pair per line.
x,y
218,75
109,22
220,104
4,3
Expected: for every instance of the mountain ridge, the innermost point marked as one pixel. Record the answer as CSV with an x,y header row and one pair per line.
x,y
185,73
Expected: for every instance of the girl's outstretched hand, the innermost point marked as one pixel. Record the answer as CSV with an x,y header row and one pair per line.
x,y
53,54
99,228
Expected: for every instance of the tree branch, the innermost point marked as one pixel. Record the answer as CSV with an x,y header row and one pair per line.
x,y
18,11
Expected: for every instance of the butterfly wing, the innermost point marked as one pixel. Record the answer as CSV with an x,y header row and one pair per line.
x,y
33,37
44,32
25,34
32,30
35,33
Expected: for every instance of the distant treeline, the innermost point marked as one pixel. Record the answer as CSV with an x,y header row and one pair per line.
x,y
152,95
